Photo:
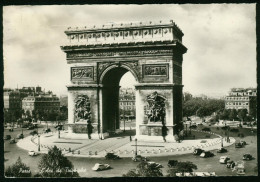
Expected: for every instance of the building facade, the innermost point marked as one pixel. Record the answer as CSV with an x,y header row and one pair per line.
x,y
44,103
240,98
12,100
127,102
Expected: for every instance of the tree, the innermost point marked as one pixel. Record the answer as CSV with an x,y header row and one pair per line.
x,y
233,114
54,164
144,169
224,115
242,113
181,167
19,169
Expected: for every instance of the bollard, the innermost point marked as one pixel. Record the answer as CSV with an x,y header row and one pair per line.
x,y
72,151
146,151
159,150
132,152
69,149
78,151
139,151
96,153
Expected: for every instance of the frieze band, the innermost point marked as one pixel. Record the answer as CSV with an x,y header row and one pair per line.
x,y
86,72
118,53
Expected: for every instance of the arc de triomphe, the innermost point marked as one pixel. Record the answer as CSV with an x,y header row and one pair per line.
x,y
99,56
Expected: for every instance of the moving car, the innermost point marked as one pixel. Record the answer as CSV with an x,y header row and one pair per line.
x,y
197,151
19,136
139,158
247,157
243,142
7,137
240,169
221,150
238,145
47,130
30,128
206,154
12,141
230,164
111,155
100,167
154,164
223,159
172,163
34,132
32,153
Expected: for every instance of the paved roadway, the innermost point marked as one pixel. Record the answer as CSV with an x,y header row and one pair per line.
x,y
120,167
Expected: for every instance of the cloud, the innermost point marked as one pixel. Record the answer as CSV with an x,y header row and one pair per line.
x,y
220,38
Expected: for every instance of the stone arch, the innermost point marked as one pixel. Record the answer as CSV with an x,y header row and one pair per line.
x,y
112,66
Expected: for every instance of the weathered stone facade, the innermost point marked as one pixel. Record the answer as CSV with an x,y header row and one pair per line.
x,y
99,57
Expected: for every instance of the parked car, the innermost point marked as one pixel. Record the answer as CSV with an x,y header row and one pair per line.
x,y
230,164
34,132
172,163
32,153
19,136
12,141
247,157
111,155
100,167
155,165
206,154
223,159
11,129
197,151
139,158
7,137
221,150
238,145
206,129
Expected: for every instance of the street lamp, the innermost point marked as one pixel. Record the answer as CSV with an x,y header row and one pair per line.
x,y
39,148
136,147
59,133
186,129
221,142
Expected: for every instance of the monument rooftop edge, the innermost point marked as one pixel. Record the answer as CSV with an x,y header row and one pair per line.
x,y
124,33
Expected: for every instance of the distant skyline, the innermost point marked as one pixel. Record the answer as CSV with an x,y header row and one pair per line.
x,y
221,42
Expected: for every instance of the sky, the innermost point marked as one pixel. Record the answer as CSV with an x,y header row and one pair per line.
x,y
221,42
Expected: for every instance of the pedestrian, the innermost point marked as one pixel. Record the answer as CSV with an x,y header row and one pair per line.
x,y
89,128
130,138
164,132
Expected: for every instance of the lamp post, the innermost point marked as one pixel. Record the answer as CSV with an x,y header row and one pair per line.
x,y
190,127
124,120
136,147
39,148
186,129
59,133
221,142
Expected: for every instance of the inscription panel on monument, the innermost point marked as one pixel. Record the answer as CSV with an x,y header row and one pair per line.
x,y
82,73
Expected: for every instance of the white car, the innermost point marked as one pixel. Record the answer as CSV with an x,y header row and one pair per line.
x,y
223,159
156,165
100,167
32,153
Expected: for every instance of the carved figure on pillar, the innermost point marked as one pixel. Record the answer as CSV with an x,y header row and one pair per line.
x,y
156,108
82,108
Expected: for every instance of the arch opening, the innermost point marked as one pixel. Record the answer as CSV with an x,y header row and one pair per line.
x,y
111,108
